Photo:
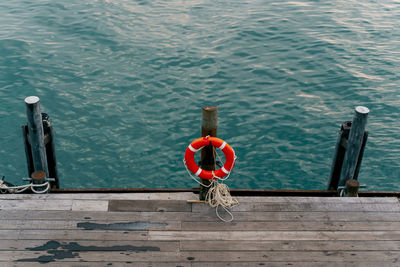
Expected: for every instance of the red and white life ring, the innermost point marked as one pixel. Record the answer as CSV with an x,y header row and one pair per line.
x,y
197,145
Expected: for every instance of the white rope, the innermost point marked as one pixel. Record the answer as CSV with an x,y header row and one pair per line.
x,y
218,195
21,188
190,173
343,192
218,192
233,163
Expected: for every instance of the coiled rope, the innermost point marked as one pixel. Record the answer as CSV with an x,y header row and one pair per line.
x,y
21,188
218,193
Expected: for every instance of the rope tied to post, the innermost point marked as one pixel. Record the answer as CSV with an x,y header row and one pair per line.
x,y
218,193
21,188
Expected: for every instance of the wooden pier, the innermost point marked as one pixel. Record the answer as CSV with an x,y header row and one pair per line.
x,y
163,229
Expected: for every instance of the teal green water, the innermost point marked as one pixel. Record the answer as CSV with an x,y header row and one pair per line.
x,y
124,81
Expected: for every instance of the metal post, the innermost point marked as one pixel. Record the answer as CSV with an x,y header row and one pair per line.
x,y
209,125
38,177
36,134
354,144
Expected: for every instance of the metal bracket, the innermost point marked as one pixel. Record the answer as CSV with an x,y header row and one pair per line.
x,y
45,179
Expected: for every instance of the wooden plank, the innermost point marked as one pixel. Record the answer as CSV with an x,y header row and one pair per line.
x,y
72,235
36,205
8,234
220,256
85,225
327,207
318,199
273,235
149,205
203,264
88,245
105,196
197,226
108,263
290,245
293,263
208,216
89,205
181,206
291,226
189,195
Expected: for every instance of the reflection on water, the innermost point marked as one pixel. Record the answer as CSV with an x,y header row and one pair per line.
x,y
124,82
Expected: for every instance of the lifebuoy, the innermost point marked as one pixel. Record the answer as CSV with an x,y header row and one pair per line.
x,y
197,145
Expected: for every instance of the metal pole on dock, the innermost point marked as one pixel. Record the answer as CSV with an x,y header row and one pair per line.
x,y
38,177
36,134
354,144
209,125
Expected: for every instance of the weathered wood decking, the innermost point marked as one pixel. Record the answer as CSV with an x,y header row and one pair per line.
x,y
162,229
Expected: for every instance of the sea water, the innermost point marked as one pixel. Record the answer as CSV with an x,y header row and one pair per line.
x,y
124,82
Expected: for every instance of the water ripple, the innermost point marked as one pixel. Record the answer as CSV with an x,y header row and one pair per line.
x,y
124,81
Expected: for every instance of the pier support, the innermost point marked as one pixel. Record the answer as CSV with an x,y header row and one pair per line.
x,y
338,156
50,150
349,150
356,136
209,125
39,142
36,134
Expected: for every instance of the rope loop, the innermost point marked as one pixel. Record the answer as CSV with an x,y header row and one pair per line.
x,y
218,192
21,188
218,195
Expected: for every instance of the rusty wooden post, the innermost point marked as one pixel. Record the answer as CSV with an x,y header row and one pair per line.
x,y
354,144
352,186
209,125
36,134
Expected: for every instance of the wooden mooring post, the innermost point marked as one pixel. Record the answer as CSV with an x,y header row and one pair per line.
x,y
50,150
209,125
340,150
39,142
36,134
349,150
